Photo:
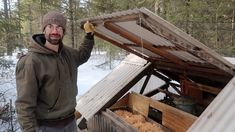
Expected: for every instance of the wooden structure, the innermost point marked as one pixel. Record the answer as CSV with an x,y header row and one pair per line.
x,y
189,67
172,118
219,115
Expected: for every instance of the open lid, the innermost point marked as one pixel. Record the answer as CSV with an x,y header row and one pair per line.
x,y
173,52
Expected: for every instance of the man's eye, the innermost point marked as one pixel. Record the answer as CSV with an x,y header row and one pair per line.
x,y
59,28
49,26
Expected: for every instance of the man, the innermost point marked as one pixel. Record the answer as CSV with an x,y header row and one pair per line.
x,y
46,78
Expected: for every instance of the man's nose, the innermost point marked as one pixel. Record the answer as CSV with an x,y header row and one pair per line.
x,y
54,30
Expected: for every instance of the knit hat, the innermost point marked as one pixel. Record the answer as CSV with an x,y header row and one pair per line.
x,y
54,17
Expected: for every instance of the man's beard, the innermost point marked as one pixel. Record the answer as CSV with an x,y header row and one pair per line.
x,y
56,40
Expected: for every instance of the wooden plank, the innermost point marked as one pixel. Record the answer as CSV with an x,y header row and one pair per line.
x,y
169,93
165,129
206,88
212,74
122,103
173,118
157,90
186,88
112,18
146,80
175,121
122,46
122,32
174,86
139,103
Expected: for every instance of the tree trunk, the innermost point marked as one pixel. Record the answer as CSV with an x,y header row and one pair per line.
x,y
232,32
6,14
76,6
219,3
30,21
187,16
19,24
9,8
164,9
7,39
71,14
41,11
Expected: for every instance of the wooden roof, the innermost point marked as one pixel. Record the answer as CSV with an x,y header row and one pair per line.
x,y
148,36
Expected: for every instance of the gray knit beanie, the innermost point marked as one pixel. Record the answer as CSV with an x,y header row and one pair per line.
x,y
54,17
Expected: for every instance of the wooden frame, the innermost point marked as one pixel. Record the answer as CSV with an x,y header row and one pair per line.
x,y
172,118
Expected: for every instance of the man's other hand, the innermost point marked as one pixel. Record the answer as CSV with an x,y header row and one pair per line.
x,y
77,115
89,27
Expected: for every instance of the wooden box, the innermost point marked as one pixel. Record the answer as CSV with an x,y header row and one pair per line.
x,y
169,119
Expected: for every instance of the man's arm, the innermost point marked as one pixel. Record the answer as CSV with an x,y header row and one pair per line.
x,y
27,91
84,51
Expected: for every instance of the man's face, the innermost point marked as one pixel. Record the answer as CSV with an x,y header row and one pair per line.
x,y
54,34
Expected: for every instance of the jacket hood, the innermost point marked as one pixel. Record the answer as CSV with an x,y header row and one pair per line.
x,y
37,45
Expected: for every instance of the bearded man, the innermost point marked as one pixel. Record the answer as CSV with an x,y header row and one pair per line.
x,y
46,78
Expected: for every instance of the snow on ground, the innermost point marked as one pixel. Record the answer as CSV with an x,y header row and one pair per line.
x,y
7,80
230,59
89,73
7,92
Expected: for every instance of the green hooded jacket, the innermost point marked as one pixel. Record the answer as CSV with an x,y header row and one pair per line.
x,y
47,81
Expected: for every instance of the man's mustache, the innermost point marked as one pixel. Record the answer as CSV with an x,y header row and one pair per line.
x,y
55,34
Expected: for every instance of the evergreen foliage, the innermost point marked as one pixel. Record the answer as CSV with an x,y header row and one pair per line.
x,y
210,21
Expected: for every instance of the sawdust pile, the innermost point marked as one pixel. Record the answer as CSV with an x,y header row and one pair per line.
x,y
138,121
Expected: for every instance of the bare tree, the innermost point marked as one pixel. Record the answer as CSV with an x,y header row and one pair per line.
x,y
71,17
